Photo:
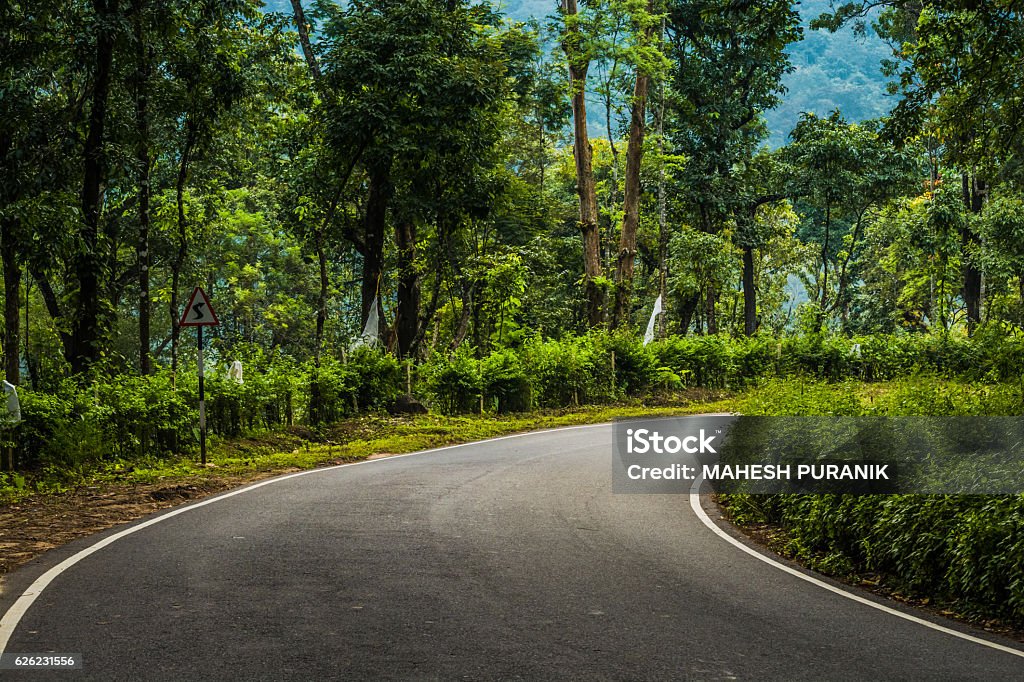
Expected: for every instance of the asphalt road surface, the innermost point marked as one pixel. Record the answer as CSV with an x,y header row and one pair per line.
x,y
505,559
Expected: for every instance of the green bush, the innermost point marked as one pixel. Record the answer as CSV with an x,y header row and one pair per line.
x,y
635,365
368,379
561,372
47,419
331,390
965,550
140,415
453,382
122,417
503,380
265,399
376,378
702,360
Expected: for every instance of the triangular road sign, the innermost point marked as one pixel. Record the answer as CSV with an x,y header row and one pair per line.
x,y
199,312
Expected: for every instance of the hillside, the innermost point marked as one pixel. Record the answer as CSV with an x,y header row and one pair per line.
x,y
831,71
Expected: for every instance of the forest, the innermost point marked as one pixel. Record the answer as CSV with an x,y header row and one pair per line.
x,y
428,197
433,161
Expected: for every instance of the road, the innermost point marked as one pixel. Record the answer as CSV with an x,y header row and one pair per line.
x,y
500,560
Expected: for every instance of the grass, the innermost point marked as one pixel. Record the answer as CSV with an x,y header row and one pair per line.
x,y
352,440
356,439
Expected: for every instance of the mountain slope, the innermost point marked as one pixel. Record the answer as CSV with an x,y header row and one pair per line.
x,y
831,71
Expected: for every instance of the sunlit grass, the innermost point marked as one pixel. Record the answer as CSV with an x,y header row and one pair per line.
x,y
350,441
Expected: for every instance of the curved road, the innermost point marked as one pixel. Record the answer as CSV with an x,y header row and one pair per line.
x,y
504,559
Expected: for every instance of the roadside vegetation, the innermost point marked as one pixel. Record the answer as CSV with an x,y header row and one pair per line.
x,y
293,448
128,418
963,554
398,207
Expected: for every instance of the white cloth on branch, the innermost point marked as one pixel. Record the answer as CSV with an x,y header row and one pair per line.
x,y
649,336
235,372
13,415
371,332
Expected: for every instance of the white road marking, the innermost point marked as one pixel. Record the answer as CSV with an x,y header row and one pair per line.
x,y
17,611
706,520
14,614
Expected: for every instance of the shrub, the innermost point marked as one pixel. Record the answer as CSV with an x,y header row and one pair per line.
x,y
635,365
565,372
331,390
964,549
503,379
376,378
453,382
141,414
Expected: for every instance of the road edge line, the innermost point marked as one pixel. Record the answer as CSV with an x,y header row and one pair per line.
x,y
698,509
12,617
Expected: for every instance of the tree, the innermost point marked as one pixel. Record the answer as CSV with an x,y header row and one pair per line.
x,y
729,59
648,60
578,54
43,108
957,64
841,171
409,115
1002,248
212,72
89,320
761,182
144,67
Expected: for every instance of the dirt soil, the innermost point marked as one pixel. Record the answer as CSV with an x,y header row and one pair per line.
x,y
30,527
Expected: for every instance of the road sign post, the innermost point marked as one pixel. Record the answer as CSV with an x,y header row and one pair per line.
x,y
199,313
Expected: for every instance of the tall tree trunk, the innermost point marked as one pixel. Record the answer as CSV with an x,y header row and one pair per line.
x,y
52,303
407,319
749,293
375,225
316,402
823,301
465,316
86,325
843,284
12,301
663,236
631,203
321,301
142,157
427,314
974,198
12,285
686,313
302,26
579,65
709,309
178,263
613,191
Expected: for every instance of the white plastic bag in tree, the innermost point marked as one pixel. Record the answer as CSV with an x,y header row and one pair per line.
x,y
649,336
235,372
371,332
13,414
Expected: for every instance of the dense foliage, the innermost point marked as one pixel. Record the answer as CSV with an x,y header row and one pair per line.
x,y
128,416
962,551
385,197
315,164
